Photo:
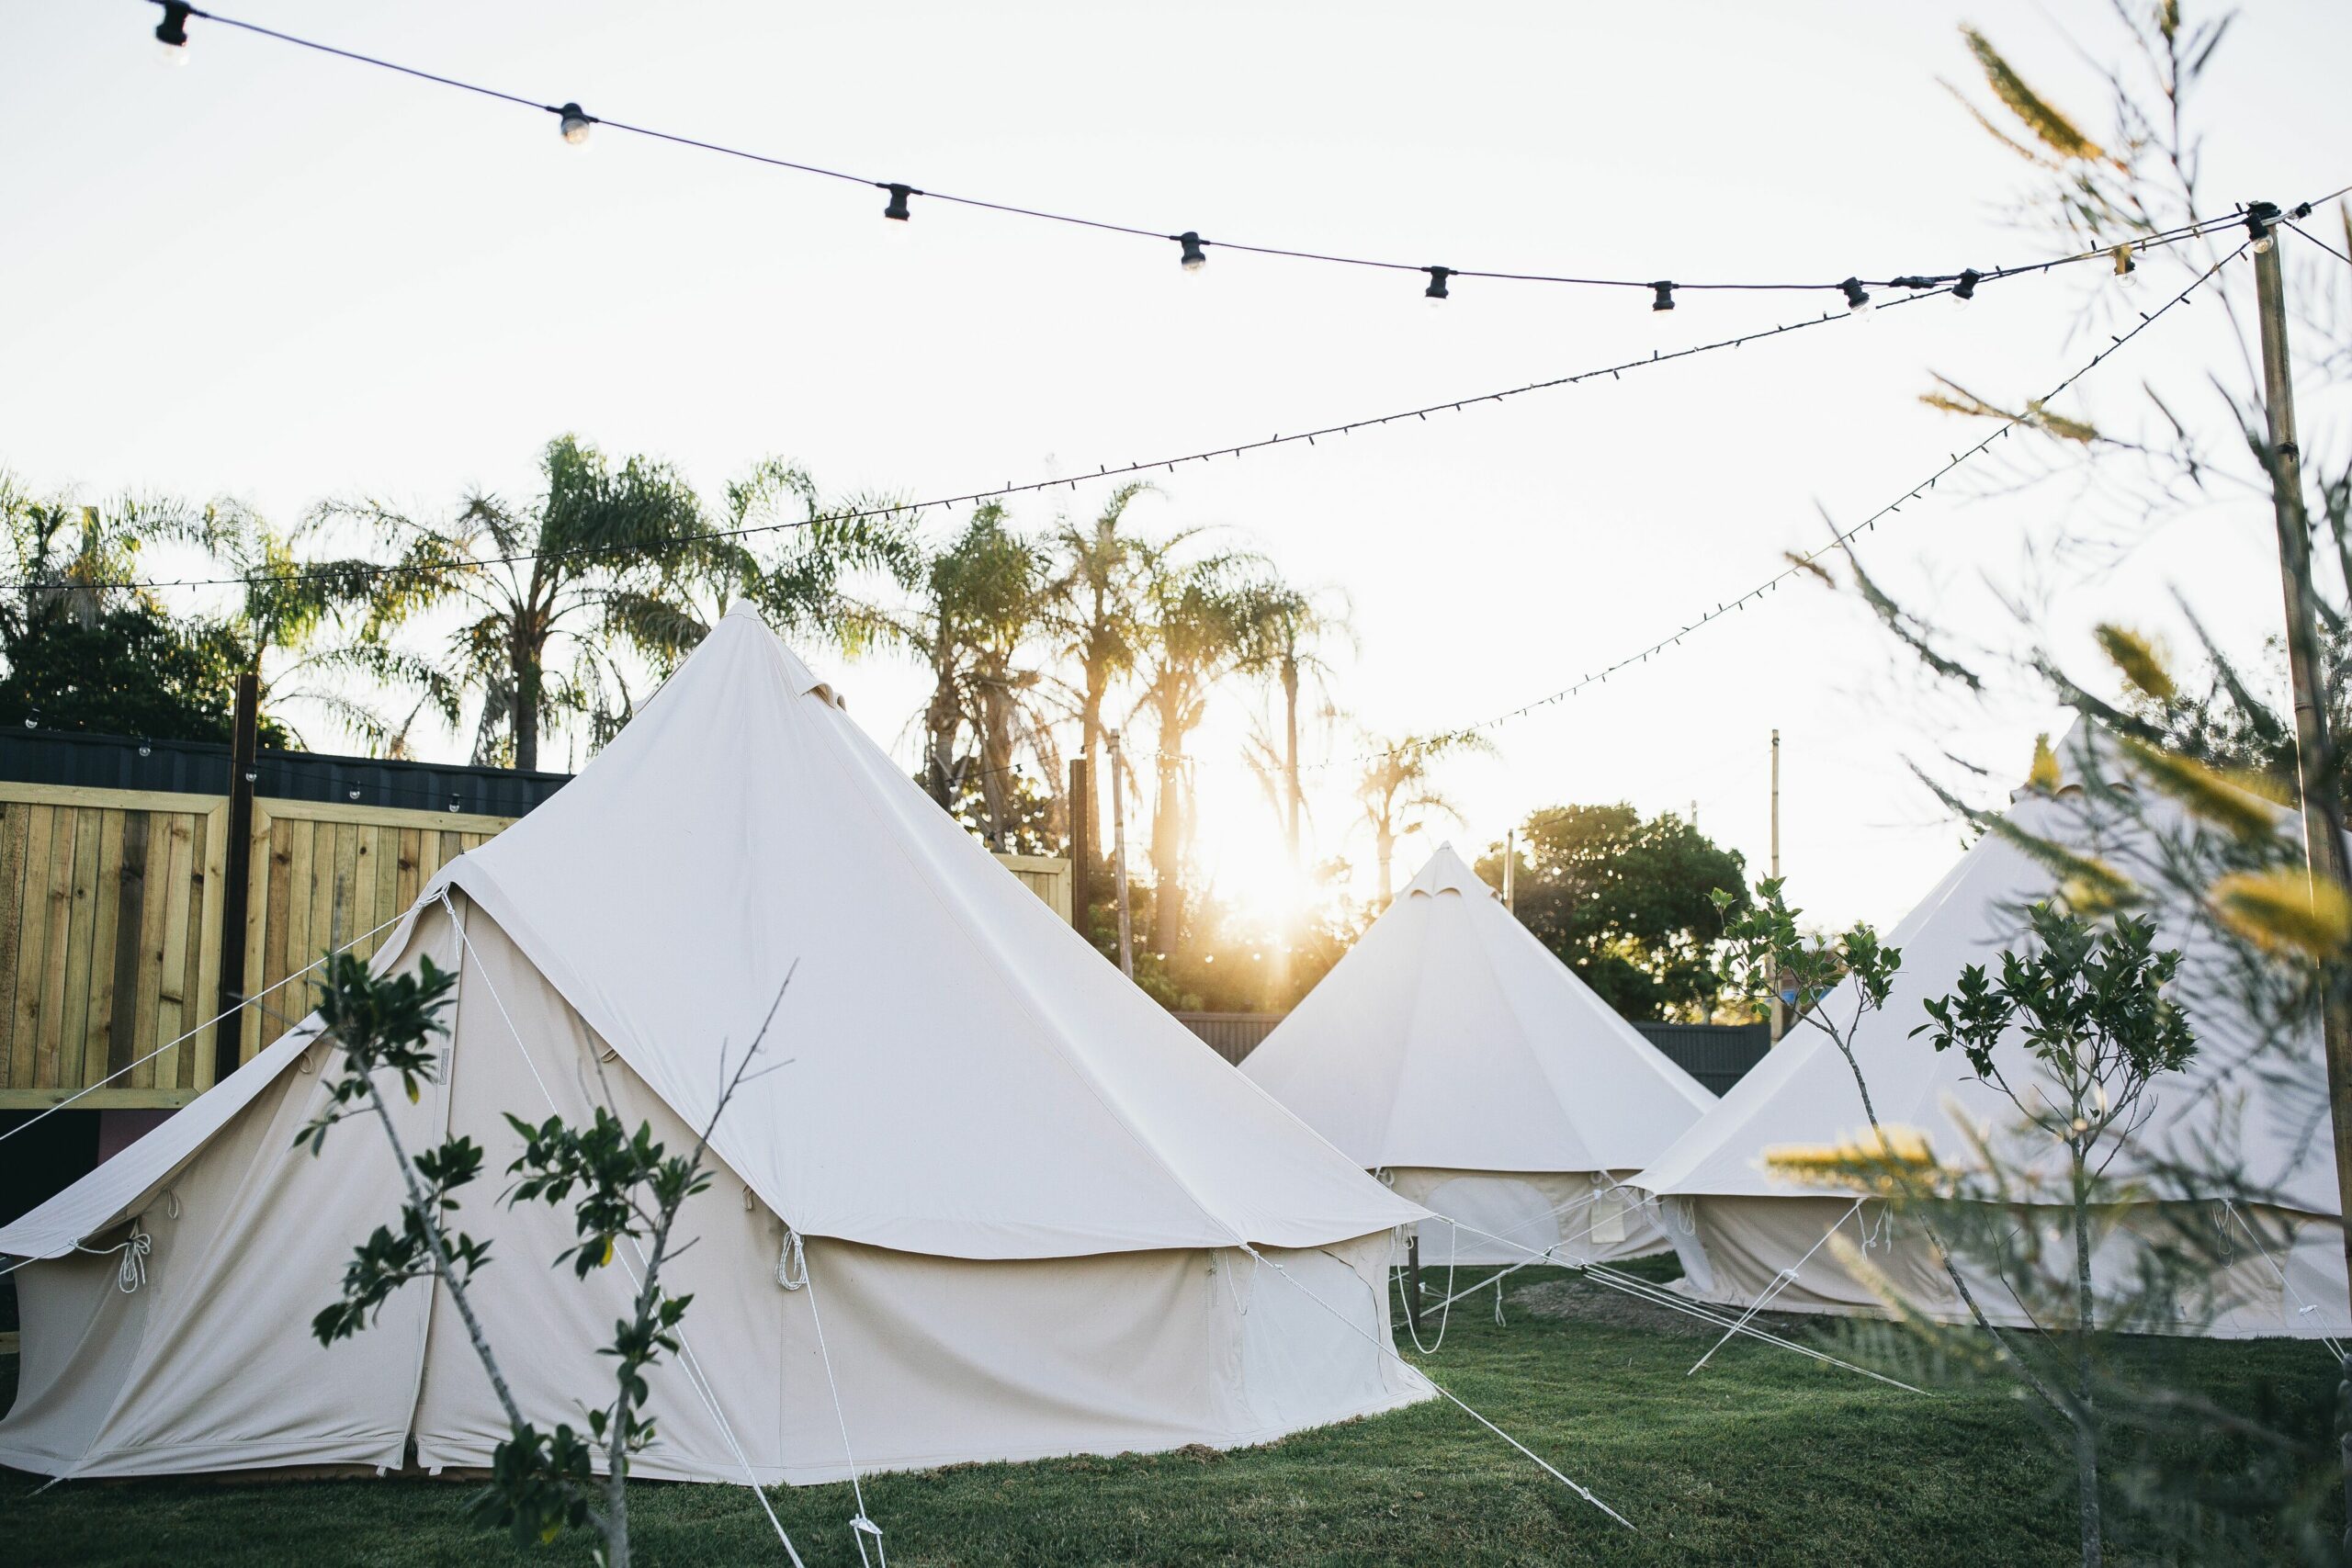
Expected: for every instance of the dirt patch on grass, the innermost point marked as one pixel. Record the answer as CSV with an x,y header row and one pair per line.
x,y
1577,1298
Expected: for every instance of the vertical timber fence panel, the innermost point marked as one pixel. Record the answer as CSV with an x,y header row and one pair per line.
x,y
110,944
324,875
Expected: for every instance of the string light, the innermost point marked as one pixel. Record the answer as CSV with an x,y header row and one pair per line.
x,y
1964,290
2259,216
575,123
1435,293
1195,258
171,32
1839,537
1858,298
2126,269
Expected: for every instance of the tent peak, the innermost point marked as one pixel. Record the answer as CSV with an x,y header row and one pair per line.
x,y
1445,871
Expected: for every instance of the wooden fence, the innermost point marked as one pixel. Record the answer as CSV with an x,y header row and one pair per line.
x,y
111,940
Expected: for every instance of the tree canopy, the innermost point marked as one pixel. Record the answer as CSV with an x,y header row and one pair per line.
x,y
1626,903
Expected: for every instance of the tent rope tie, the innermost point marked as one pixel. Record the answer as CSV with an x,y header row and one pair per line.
x,y
1781,1282
792,1262
1388,1348
685,1348
131,1271
2303,1307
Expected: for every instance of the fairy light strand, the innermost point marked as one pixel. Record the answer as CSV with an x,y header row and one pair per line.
x,y
1194,245
913,509
1808,560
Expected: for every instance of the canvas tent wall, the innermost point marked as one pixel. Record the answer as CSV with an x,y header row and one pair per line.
x,y
1020,1190
1449,1051
2251,1096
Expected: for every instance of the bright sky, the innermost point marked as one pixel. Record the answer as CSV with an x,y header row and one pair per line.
x,y
282,277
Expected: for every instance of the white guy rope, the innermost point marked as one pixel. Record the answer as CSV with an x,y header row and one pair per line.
x,y
685,1351
1446,1307
2303,1307
1549,1254
1781,1281
1657,1295
860,1526
200,1028
1389,1349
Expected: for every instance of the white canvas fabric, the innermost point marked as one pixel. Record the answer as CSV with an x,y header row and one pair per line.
x,y
1736,1226
1023,1195
1451,1051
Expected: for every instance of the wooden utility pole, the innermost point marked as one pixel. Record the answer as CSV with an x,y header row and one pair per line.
x,y
1082,848
1119,856
1779,1007
236,871
2315,759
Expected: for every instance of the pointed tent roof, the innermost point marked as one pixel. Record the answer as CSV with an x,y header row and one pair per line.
x,y
2265,1098
961,1074
1448,1036
967,1077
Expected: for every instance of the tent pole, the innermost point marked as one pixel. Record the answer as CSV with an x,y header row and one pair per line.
x,y
1413,1281
236,874
1119,857
1779,1007
1082,848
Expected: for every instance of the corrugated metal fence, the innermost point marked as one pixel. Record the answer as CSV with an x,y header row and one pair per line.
x,y
1717,1054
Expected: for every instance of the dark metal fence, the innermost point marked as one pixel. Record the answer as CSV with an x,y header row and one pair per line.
x,y
1717,1054
198,767
1231,1035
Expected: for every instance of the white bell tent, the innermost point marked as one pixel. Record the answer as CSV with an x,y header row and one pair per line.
x,y
1746,1235
1451,1053
1034,1206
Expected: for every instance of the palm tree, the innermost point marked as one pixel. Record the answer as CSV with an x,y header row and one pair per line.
x,y
1400,795
603,555
794,557
1096,610
291,630
1286,627
983,597
1198,631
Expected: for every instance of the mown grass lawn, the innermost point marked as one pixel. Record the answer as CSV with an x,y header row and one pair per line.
x,y
1763,1457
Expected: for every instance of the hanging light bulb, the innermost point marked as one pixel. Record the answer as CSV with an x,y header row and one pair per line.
x,y
575,122
1195,258
897,210
354,792
170,33
2259,216
1858,300
146,748
1664,299
32,719
2126,269
1435,293
1964,290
